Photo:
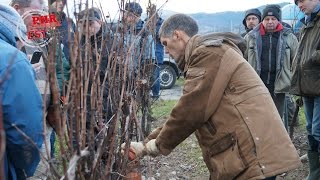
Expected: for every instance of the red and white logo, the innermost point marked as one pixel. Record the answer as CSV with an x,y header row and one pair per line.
x,y
38,32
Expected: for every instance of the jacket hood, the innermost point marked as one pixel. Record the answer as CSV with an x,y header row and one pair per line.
x,y
213,39
255,12
7,35
11,25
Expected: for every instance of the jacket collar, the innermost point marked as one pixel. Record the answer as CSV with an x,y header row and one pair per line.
x,y
263,31
314,17
211,39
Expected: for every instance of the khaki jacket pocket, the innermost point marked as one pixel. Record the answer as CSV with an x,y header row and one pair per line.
x,y
225,159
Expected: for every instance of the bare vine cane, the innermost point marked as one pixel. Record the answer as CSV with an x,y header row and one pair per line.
x,y
299,104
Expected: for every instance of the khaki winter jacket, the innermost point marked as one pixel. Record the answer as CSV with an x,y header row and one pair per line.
x,y
306,65
286,49
231,112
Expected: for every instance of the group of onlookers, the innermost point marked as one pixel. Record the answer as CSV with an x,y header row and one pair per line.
x,y
271,49
29,121
289,66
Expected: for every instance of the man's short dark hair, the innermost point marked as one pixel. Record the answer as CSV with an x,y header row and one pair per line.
x,y
91,14
22,3
179,22
52,1
134,7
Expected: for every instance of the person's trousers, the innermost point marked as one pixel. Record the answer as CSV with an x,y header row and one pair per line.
x,y
52,141
279,101
311,107
156,81
290,109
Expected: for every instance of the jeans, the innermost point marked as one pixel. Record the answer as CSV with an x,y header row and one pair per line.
x,y
52,141
156,81
312,112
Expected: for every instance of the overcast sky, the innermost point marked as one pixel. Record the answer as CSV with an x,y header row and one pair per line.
x,y
185,6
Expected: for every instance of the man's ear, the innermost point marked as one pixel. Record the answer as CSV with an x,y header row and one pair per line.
x,y
16,7
181,36
178,34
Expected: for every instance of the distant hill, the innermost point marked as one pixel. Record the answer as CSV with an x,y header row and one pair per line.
x,y
218,22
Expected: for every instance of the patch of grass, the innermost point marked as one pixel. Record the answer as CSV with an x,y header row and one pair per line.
x,y
194,156
302,119
58,156
56,146
180,81
162,109
190,147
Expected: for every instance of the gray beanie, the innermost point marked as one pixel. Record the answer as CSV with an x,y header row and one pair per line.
x,y
11,21
272,10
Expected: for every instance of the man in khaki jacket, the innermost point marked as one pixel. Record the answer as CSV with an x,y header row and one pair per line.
x,y
225,104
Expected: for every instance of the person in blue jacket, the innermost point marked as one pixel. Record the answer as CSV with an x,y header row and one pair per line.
x,y
20,100
155,22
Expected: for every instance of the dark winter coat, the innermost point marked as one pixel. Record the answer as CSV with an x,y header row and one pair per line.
x,y
99,48
286,49
306,65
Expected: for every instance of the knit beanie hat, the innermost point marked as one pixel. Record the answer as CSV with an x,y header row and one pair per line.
x,y
92,14
11,23
134,8
52,1
272,10
249,12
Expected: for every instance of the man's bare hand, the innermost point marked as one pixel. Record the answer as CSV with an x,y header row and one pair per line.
x,y
36,67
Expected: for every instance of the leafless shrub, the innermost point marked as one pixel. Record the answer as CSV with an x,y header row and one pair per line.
x,y
91,119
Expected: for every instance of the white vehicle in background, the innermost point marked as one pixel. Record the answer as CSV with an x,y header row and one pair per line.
x,y
169,73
